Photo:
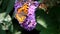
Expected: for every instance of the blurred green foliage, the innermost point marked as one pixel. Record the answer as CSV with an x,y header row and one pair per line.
x,y
46,23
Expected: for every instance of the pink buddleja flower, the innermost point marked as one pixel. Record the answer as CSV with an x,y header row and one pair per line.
x,y
30,21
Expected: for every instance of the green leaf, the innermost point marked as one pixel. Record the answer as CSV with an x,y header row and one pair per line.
x,y
1,10
2,31
6,23
10,7
41,17
11,28
2,17
42,22
17,32
0,2
4,4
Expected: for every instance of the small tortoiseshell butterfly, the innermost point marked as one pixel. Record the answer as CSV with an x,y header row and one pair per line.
x,y
21,13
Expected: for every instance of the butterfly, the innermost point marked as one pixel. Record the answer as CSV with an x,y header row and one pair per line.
x,y
22,13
